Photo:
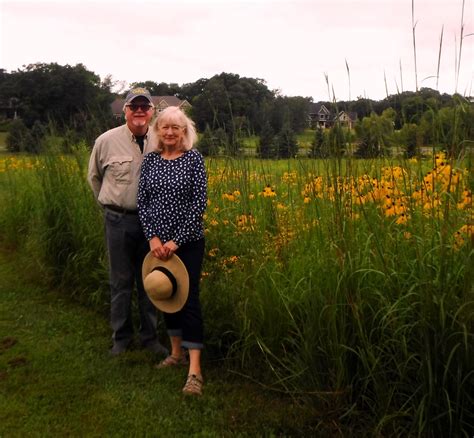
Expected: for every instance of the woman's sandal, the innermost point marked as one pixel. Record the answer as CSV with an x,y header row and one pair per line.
x,y
193,385
172,361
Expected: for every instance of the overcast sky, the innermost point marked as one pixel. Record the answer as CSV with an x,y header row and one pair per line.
x,y
294,45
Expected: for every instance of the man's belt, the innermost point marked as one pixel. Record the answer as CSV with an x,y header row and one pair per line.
x,y
120,209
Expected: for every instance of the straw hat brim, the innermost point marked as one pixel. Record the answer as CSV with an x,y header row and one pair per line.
x,y
177,268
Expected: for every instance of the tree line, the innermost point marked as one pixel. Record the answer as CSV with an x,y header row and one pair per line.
x,y
74,104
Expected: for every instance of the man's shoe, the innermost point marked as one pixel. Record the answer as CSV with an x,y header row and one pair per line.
x,y
118,349
157,348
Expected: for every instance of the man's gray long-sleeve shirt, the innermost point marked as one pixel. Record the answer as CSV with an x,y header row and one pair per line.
x,y
114,166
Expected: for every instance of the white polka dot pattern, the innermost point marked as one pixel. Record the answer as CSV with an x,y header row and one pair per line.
x,y
172,197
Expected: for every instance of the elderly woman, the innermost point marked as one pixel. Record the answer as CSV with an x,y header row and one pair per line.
x,y
172,197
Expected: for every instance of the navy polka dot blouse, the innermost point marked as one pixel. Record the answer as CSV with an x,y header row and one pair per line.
x,y
172,197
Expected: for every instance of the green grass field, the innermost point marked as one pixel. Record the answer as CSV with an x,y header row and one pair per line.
x,y
57,379
343,284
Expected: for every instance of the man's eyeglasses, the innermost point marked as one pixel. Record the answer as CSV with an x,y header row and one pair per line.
x,y
135,107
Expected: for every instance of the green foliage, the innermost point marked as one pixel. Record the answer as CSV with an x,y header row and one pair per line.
x,y
17,136
245,105
22,139
53,92
318,149
58,380
233,145
383,309
5,124
289,111
161,89
226,97
76,102
209,143
336,141
267,144
51,203
286,144
409,140
456,126
375,134
67,97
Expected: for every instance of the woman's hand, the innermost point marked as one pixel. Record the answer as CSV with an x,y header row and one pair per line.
x,y
170,247
157,248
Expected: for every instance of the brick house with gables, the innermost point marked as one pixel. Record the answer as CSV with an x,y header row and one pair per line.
x,y
320,116
160,102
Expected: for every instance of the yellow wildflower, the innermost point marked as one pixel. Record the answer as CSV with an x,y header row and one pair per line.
x,y
402,219
461,235
268,192
466,200
228,196
213,252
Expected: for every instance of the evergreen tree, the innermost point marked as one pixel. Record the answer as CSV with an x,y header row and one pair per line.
x,y
33,142
287,145
208,143
266,145
319,145
336,141
408,135
18,135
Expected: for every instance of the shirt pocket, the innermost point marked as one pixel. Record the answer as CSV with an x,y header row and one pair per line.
x,y
120,166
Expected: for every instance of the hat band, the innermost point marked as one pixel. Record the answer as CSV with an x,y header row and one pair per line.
x,y
170,277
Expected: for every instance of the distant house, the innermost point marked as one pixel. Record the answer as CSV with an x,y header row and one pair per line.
x,y
160,102
346,119
320,116
9,108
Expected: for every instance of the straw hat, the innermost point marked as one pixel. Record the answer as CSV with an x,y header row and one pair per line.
x,y
166,282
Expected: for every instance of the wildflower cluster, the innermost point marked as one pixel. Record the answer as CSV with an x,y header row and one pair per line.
x,y
12,163
461,236
267,213
395,193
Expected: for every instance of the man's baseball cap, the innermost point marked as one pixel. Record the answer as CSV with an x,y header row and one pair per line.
x,y
138,92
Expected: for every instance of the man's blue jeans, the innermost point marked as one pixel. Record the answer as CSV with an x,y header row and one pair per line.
x,y
127,247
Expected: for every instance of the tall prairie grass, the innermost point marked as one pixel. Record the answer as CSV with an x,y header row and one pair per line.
x,y
48,213
345,284
352,288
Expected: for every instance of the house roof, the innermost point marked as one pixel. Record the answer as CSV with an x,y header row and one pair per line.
x,y
168,100
117,104
315,108
320,108
351,114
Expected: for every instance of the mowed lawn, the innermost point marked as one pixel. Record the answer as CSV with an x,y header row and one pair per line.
x,y
57,379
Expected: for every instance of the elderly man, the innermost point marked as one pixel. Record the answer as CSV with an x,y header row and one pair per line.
x,y
114,170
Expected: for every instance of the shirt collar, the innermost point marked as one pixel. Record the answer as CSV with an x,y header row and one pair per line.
x,y
132,136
